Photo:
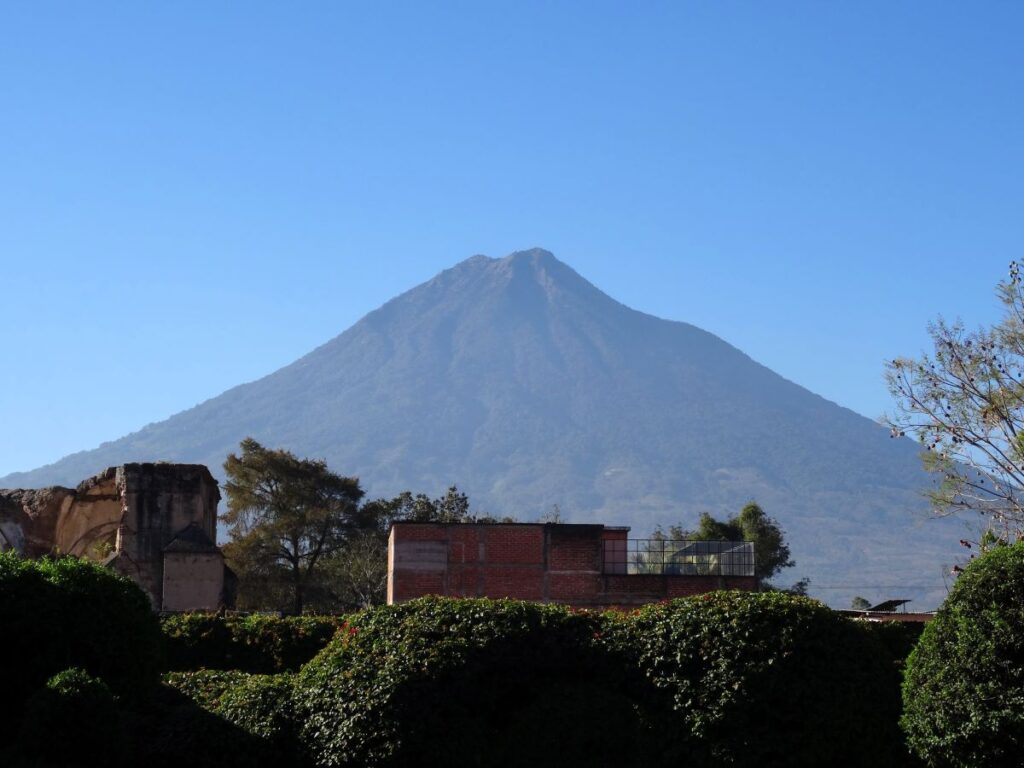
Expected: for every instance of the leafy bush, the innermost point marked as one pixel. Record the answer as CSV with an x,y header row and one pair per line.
x,y
763,679
72,721
262,705
256,643
258,705
437,682
206,686
57,613
963,693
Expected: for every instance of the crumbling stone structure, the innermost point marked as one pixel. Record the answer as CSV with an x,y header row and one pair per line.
x,y
585,566
156,523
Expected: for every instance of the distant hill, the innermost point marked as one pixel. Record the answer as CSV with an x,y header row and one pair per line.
x,y
528,387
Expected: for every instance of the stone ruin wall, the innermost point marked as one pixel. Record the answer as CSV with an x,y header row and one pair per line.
x,y
123,516
28,518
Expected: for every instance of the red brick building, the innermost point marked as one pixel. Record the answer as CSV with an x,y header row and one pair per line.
x,y
586,566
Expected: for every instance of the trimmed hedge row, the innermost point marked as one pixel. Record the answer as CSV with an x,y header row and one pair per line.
x,y
256,643
763,679
963,693
745,679
437,682
898,637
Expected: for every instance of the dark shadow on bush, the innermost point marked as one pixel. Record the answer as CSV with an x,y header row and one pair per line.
x,y
897,637
172,731
514,704
65,612
71,722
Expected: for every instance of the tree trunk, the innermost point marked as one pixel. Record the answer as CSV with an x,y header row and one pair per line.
x,y
297,606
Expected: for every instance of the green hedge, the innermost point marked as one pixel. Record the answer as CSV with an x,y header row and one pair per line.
x,y
743,679
763,679
897,637
71,722
66,612
205,687
259,705
440,682
257,643
963,692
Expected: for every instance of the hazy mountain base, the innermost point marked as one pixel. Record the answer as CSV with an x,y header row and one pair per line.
x,y
527,386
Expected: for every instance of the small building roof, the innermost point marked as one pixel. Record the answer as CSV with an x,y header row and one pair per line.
x,y
888,606
192,538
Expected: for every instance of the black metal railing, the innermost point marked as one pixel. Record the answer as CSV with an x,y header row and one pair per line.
x,y
679,557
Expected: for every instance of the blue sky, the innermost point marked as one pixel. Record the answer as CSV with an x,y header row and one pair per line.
x,y
195,194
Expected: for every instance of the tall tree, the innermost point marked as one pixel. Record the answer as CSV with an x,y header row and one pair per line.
x,y
355,577
286,515
452,507
964,403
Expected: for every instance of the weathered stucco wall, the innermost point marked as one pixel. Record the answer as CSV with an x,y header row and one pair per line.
x,y
193,581
159,501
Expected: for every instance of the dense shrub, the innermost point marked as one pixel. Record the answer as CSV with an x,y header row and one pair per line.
x,y
259,705
439,682
66,612
256,643
71,722
763,679
963,692
262,705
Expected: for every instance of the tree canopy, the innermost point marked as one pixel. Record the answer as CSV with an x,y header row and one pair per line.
x,y
286,515
300,537
771,553
964,680
453,507
964,403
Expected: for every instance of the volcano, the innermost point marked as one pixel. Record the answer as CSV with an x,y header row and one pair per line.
x,y
524,384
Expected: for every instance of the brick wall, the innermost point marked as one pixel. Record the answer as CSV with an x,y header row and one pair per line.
x,y
551,562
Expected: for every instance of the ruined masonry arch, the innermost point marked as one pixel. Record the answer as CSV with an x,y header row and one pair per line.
x,y
92,518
